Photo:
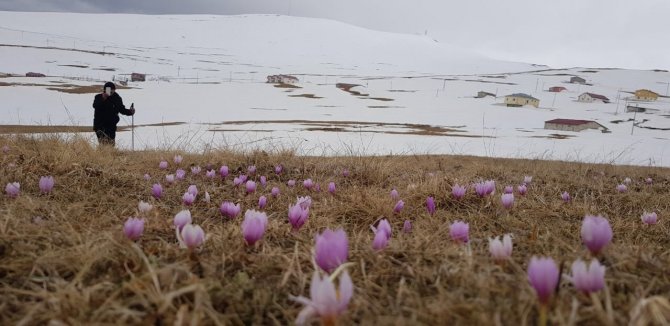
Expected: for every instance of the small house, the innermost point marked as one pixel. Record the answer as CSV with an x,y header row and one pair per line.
x,y
137,77
645,95
590,98
577,80
572,125
520,99
482,94
557,89
282,79
35,74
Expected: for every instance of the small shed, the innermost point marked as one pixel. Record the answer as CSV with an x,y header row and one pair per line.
x,y
35,74
645,95
577,80
591,97
557,89
520,99
137,77
572,125
482,94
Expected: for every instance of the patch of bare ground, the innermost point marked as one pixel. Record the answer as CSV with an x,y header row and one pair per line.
x,y
348,88
64,259
74,66
282,85
385,107
383,99
105,69
555,136
46,129
306,96
401,91
81,89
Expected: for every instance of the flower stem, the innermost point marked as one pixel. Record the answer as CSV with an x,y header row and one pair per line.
x,y
543,315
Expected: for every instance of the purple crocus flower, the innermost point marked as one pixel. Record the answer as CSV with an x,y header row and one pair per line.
x,y
243,178
507,200
253,226
383,226
193,190
177,159
297,216
195,170
527,180
649,181
251,187
279,169
210,174
188,198
223,171
5,149
157,190
481,189
180,174
430,205
345,173
326,301
317,187
596,233
46,184
407,226
459,231
394,194
133,228
305,202
508,190
229,209
169,178
621,188
147,177
291,183
237,181
182,218
163,165
275,192
331,188
649,218
308,184
380,241
543,276
566,197
192,236
251,169
262,202
331,249
522,189
457,191
264,181
588,279
399,206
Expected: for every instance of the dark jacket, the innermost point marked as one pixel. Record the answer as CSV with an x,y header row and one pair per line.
x,y
107,111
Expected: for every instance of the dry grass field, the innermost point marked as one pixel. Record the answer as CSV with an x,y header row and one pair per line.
x,y
64,259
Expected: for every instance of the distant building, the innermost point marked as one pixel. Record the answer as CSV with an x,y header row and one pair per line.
x,y
482,94
520,99
137,77
35,74
282,79
645,95
590,98
572,125
577,80
557,89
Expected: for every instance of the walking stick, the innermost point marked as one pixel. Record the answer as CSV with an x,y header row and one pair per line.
x,y
132,128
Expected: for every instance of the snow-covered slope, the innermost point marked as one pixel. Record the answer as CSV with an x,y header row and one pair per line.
x,y
413,95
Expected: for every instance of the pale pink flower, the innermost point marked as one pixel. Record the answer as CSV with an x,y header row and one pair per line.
x,y
182,218
163,165
177,159
543,275
458,191
507,200
588,279
459,231
251,187
596,233
331,188
297,216
326,302
566,197
196,170
331,249
501,250
192,236
275,192
188,199
223,171
253,226
262,202
230,210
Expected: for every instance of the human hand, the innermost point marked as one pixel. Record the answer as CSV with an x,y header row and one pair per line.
x,y
132,111
104,96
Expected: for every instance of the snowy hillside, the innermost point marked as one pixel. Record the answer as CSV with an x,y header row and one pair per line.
x,y
359,91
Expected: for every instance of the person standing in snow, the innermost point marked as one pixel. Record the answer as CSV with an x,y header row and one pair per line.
x,y
108,105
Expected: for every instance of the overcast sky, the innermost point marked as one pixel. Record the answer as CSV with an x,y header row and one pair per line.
x,y
564,33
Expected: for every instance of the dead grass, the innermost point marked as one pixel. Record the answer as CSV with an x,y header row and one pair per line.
x,y
312,96
73,266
